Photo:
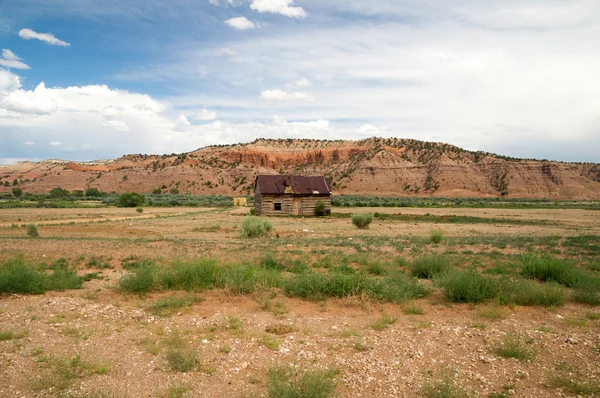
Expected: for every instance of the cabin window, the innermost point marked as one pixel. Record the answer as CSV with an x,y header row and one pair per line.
x,y
277,206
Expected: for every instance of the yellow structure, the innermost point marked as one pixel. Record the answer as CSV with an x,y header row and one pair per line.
x,y
239,202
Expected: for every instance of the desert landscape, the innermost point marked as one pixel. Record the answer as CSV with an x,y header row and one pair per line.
x,y
174,302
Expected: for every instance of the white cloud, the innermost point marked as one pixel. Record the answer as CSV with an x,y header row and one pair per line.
x,y
182,123
299,83
10,60
29,143
55,143
227,51
36,102
117,125
369,130
9,82
49,38
240,23
205,114
283,7
280,95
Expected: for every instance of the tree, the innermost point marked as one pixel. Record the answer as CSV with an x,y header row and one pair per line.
x,y
157,191
130,199
58,192
93,192
17,192
174,191
78,193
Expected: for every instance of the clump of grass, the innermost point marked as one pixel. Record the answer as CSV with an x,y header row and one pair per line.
x,y
134,262
362,220
254,227
444,385
377,268
10,335
572,380
98,262
279,329
61,373
234,323
140,281
139,209
286,382
167,305
225,348
383,322
493,313
429,266
436,236
468,286
413,309
181,360
269,262
18,277
32,230
529,293
550,268
270,342
360,347
513,347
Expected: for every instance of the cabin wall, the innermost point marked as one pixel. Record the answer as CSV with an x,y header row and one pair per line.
x,y
265,204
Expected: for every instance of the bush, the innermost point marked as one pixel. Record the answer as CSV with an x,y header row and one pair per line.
x,y
320,210
17,192
254,227
94,192
362,220
550,268
468,286
512,347
32,230
139,281
182,361
525,292
130,199
253,211
59,193
429,266
436,235
139,210
286,382
20,278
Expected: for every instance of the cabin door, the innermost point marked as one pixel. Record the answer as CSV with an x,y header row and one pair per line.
x,y
296,206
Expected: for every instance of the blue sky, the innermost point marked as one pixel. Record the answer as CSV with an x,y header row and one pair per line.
x,y
83,80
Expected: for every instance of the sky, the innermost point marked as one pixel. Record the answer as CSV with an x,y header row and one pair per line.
x,y
87,79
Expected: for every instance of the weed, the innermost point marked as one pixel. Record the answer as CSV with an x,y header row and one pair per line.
x,y
32,230
9,335
178,391
18,277
429,266
234,324
526,292
254,227
383,322
513,347
545,329
140,281
225,348
436,236
181,360
551,268
362,220
492,313
574,381
413,309
270,342
279,329
287,382
468,286
360,347
445,385
480,325
168,305
98,262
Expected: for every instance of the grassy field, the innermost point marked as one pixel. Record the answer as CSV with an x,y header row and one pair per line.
x,y
186,301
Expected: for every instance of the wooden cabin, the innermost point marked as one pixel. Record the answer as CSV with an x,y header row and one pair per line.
x,y
296,195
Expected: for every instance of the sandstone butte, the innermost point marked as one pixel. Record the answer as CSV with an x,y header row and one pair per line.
x,y
374,166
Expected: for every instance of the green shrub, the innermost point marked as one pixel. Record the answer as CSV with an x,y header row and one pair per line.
x,y
17,192
320,210
130,199
513,347
253,211
468,286
182,361
436,235
32,230
362,220
550,268
94,192
139,281
139,210
197,275
429,266
254,227
445,385
269,262
18,277
286,382
526,292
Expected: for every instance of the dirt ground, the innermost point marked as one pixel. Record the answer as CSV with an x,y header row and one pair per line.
x,y
114,345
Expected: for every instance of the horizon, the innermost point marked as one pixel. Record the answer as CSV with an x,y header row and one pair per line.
x,y
272,139
86,81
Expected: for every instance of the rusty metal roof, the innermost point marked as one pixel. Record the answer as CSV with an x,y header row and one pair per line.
x,y
300,185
